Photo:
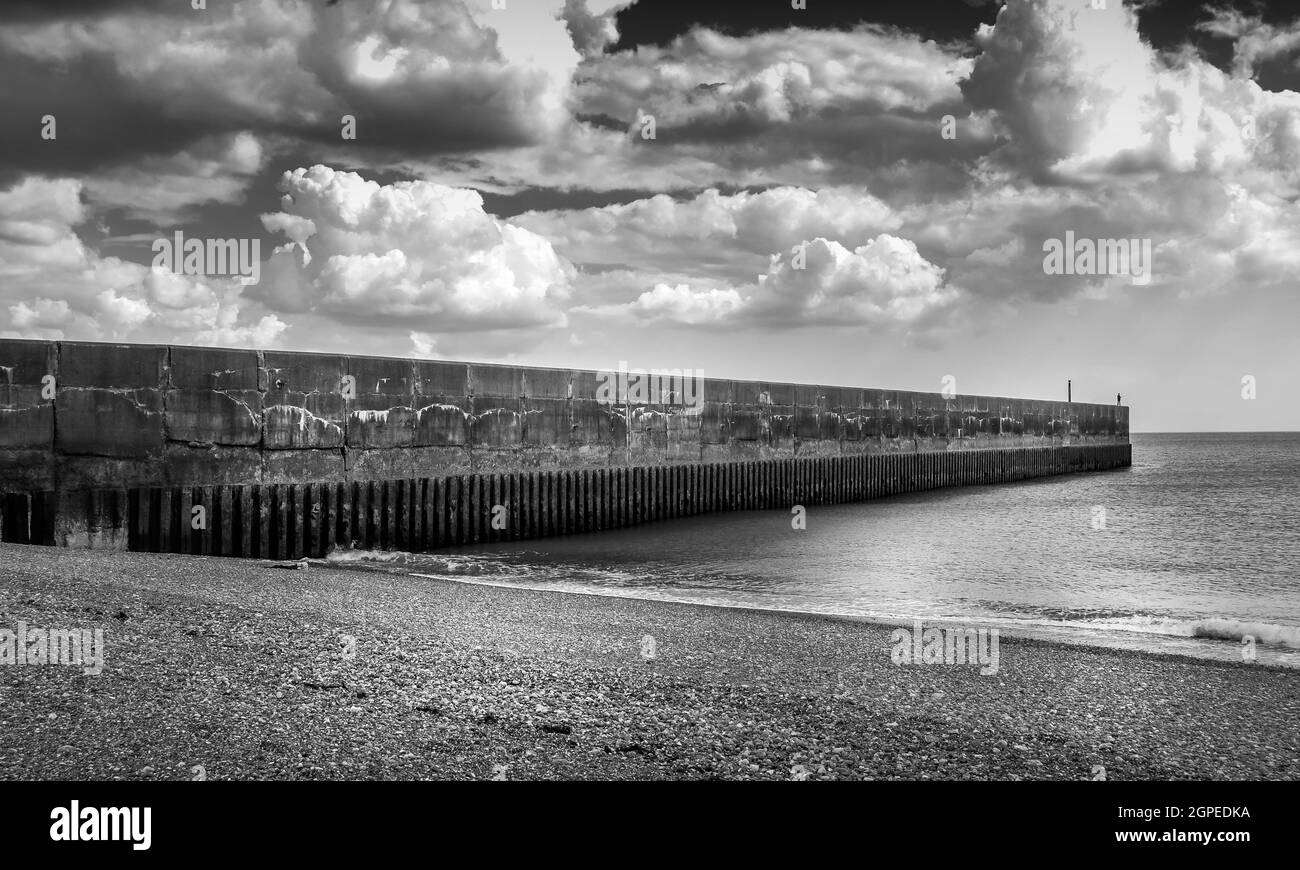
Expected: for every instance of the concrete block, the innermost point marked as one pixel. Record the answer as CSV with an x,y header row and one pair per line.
x,y
390,427
683,436
547,383
112,366
777,394
497,423
101,472
442,423
807,427
714,390
217,417
382,382
113,422
26,415
780,421
26,468
829,425
290,426
546,423
748,424
439,380
401,463
303,466
853,425
212,368
807,395
841,399
715,423
506,382
594,423
304,405
647,430
747,393
210,465
586,384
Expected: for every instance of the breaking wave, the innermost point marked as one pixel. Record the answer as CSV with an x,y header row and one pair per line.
x,y
1263,632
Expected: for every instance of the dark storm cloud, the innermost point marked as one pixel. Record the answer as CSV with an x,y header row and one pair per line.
x,y
101,119
420,79
54,10
659,22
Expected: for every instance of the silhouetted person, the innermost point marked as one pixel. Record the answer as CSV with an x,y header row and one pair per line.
x,y
1118,397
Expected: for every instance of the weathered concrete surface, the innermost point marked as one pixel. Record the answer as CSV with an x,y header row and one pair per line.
x,y
214,396
124,416
110,400
26,416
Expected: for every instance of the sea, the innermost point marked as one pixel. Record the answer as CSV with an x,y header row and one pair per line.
x,y
1194,550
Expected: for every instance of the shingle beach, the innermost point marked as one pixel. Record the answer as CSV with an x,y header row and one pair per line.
x,y
234,669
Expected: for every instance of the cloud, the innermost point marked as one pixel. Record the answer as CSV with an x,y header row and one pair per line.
x,y
727,236
1066,120
151,81
813,106
165,190
57,287
731,259
41,314
797,107
705,82
1078,96
592,24
1255,42
418,254
884,284
681,304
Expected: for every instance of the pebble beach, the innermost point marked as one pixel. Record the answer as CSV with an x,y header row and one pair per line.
x,y
245,670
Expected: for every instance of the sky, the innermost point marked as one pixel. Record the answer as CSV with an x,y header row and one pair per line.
x,y
848,194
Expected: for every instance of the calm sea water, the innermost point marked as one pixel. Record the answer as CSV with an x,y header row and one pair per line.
x,y
1200,548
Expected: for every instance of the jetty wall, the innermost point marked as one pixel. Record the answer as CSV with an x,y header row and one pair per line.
x,y
291,454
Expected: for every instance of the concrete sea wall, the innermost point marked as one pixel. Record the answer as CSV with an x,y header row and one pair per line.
x,y
288,454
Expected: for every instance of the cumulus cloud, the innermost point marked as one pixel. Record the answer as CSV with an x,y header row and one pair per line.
x,y
415,253
708,81
41,314
883,284
684,305
591,23
443,76
723,234
1079,96
58,288
814,106
1066,121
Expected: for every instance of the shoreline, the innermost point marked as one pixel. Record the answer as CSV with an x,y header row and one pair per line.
x,y
240,668
1013,632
